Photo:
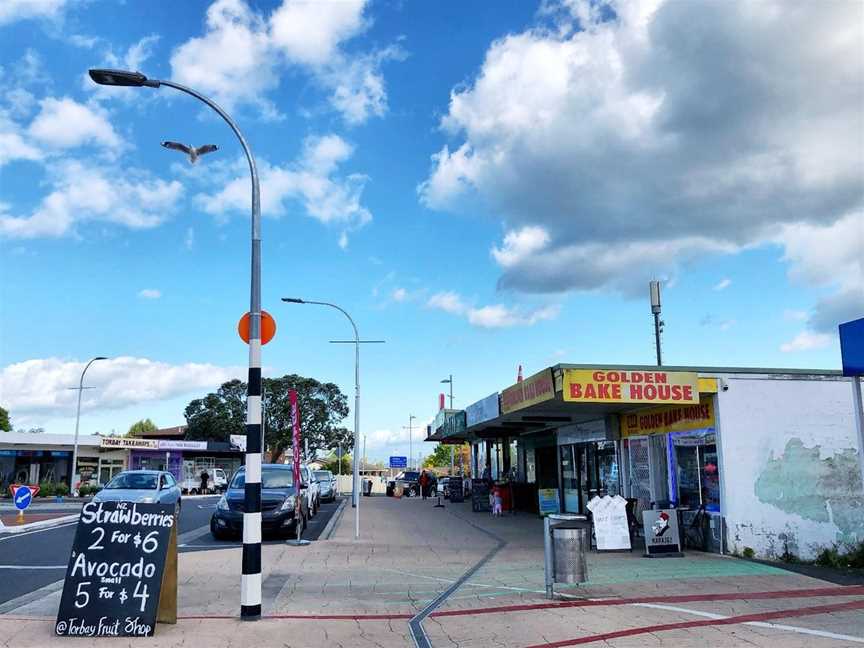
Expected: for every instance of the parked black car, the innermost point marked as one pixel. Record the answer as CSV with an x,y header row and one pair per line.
x,y
410,480
277,503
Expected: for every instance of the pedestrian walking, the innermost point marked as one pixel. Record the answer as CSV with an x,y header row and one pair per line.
x,y
204,479
424,484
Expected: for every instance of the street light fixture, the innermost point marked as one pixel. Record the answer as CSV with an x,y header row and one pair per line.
x,y
80,389
355,496
250,584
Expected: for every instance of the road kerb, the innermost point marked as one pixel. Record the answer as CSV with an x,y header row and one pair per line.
x,y
42,524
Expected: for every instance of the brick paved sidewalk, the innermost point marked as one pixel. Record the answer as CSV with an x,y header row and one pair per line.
x,y
410,552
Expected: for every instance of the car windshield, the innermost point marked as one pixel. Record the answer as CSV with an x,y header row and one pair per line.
x,y
270,478
134,481
410,476
323,475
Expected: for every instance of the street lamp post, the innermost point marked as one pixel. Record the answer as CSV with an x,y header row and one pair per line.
x,y
411,418
355,495
449,381
78,419
250,583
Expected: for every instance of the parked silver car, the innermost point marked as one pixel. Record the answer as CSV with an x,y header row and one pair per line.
x,y
145,486
327,485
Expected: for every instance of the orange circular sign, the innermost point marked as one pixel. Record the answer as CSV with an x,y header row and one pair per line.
x,y
268,327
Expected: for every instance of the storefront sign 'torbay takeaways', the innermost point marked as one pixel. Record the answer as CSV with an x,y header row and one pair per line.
x,y
626,386
534,389
134,443
129,443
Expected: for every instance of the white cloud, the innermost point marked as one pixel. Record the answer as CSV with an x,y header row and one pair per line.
x,y
14,147
500,316
807,341
308,36
312,180
519,245
14,10
65,123
399,295
449,302
493,315
150,293
311,32
233,61
643,135
723,284
82,193
39,388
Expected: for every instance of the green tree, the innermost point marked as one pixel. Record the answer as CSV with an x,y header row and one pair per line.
x,y
141,427
440,457
5,423
322,407
332,464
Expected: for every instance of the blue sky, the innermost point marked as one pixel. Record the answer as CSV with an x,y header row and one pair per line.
x,y
481,185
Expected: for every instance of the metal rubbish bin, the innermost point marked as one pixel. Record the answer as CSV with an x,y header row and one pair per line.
x,y
567,540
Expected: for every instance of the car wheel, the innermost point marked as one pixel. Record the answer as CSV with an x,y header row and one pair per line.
x,y
217,534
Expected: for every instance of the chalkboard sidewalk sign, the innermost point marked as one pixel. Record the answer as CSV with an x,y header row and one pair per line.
x,y
454,488
480,496
114,576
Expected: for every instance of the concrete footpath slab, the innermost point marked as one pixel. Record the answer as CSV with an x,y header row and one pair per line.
x,y
363,592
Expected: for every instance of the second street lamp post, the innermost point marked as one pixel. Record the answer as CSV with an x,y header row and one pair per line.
x,y
80,389
355,461
250,583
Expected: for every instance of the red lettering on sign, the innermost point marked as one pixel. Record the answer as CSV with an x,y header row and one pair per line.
x,y
688,392
575,390
590,391
599,376
660,377
616,392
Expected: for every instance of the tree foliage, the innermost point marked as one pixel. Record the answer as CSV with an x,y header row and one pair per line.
x,y
5,423
440,457
141,427
322,407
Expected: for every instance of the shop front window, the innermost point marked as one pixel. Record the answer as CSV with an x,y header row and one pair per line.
x,y
696,471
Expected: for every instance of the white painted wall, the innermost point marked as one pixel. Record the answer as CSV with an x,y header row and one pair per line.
x,y
757,418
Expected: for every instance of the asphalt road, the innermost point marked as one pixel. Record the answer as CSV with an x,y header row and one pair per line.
x,y
33,559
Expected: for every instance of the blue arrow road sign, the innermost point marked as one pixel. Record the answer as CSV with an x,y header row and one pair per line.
x,y
398,462
23,497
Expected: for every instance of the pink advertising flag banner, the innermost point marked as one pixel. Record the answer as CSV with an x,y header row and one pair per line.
x,y
295,422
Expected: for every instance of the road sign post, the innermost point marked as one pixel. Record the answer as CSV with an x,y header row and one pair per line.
x,y
852,353
23,495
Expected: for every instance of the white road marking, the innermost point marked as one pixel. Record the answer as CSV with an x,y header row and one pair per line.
x,y
12,536
758,624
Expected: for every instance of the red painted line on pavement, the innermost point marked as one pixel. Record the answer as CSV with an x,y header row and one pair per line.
x,y
683,625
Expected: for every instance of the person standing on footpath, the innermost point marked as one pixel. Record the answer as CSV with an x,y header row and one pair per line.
x,y
204,479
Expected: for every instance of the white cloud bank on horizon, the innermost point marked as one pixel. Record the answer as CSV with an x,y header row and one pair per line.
x,y
38,389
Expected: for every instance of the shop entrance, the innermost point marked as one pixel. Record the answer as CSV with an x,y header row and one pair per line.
x,y
588,470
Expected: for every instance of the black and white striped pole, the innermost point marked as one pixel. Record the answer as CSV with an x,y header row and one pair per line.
x,y
250,583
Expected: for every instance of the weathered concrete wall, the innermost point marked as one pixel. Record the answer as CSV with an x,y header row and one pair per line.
x,y
790,465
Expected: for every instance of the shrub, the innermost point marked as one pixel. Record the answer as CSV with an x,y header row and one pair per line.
x,y
46,489
856,555
84,490
831,557
748,552
61,489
